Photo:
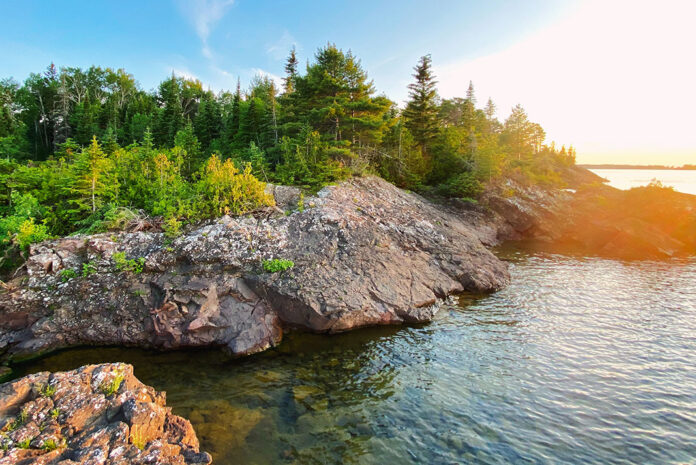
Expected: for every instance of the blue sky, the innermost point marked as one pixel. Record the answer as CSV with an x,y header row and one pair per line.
x,y
612,77
218,40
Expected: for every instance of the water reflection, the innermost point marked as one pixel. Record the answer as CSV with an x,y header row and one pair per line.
x,y
577,361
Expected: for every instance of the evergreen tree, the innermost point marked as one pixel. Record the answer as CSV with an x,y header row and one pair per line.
x,y
490,109
171,115
233,119
421,109
290,72
93,182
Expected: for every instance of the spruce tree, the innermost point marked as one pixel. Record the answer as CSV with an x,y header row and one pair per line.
x,y
290,72
421,110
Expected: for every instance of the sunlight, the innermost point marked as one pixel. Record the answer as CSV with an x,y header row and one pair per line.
x,y
614,78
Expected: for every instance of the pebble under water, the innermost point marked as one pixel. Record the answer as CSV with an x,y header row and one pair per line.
x,y
579,360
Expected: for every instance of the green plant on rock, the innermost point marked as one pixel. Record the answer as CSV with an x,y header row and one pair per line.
x,y
134,266
54,413
67,275
276,264
24,444
88,269
47,390
49,445
111,387
137,438
18,421
300,203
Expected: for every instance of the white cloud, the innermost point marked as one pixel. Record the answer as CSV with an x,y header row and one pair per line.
x,y
280,48
615,79
204,14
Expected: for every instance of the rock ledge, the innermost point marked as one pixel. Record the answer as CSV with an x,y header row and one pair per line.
x,y
97,414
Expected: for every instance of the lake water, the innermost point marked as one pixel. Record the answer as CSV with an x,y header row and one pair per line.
x,y
681,180
586,361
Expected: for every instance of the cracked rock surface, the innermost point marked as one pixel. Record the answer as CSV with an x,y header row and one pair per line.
x,y
364,253
97,414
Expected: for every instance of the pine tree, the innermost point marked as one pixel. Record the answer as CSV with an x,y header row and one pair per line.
x,y
490,109
470,94
421,110
290,72
171,117
233,119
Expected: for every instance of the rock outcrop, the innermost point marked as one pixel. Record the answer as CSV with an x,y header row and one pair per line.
x,y
364,253
97,414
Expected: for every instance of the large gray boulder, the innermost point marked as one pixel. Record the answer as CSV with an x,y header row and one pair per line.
x,y
364,253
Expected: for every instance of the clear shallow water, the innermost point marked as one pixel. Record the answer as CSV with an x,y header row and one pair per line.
x,y
681,180
577,361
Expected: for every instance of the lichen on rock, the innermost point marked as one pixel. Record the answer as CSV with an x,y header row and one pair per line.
x,y
94,414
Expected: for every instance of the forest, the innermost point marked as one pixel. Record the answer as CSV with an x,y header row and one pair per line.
x,y
91,151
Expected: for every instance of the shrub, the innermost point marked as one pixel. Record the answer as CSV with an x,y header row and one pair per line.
x,y
30,233
276,264
134,266
223,189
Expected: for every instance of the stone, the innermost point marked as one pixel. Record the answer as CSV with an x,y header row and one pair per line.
x,y
94,414
366,253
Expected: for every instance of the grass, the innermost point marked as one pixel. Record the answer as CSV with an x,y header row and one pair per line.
x,y
55,412
276,264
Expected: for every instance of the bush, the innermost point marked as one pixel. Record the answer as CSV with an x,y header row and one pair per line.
x,y
223,189
276,264
30,233
131,265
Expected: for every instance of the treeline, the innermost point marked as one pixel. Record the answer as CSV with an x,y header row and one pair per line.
x,y
81,148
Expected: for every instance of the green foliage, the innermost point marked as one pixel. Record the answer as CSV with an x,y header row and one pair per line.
x,y
111,387
276,264
87,150
223,189
134,266
19,420
24,444
88,269
54,413
67,274
47,390
49,445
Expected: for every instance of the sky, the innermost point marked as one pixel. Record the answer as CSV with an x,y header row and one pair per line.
x,y
614,78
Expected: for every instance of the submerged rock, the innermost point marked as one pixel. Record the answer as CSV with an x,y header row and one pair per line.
x,y
364,253
95,414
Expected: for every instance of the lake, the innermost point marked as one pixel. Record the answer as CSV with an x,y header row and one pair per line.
x,y
579,360
681,180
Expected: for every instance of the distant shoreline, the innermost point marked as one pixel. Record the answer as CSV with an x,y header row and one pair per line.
x,y
637,167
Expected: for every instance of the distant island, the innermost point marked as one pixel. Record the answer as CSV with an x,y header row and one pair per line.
x,y
638,167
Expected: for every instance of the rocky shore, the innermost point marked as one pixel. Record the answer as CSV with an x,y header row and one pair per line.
x,y
97,414
358,254
364,253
